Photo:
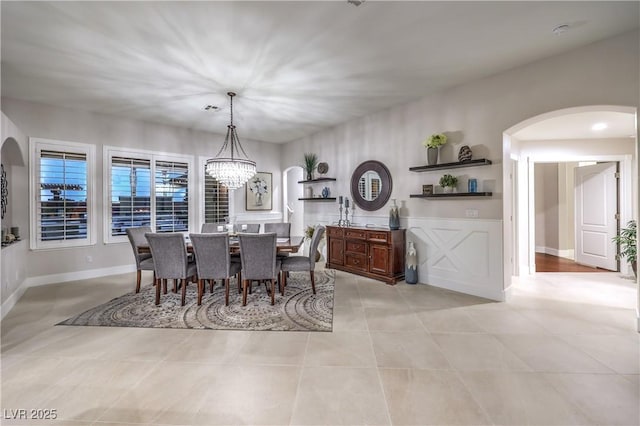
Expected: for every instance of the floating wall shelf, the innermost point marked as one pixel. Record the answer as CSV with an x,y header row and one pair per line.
x,y
322,179
318,199
454,165
453,194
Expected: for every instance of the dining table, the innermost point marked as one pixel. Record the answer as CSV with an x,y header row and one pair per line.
x,y
283,245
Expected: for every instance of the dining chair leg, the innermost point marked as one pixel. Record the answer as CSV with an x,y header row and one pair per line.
x,y
245,283
138,279
313,282
283,282
158,286
273,292
211,284
183,283
200,290
175,286
164,285
226,291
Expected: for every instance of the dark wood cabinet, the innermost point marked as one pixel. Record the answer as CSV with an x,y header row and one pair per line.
x,y
371,252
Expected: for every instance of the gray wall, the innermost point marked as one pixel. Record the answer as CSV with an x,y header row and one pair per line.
x,y
475,114
45,121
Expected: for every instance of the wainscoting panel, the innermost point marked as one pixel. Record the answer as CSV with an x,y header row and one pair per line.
x,y
459,254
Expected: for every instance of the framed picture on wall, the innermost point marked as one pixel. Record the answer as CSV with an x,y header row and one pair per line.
x,y
258,192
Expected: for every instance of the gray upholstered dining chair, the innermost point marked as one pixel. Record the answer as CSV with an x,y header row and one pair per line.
x,y
251,228
282,230
211,228
144,261
171,261
303,263
213,261
258,254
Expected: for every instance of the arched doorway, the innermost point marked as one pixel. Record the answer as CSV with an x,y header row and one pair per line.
x,y
292,207
518,186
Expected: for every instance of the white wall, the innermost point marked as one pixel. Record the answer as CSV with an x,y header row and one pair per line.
x,y
13,267
475,114
39,120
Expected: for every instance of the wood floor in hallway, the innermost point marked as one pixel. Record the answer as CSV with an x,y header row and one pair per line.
x,y
548,263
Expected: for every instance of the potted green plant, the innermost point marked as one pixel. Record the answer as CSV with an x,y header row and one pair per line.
x,y
433,143
448,182
628,243
310,164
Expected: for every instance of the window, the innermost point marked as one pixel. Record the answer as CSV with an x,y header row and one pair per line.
x,y
130,194
172,196
146,189
216,200
62,213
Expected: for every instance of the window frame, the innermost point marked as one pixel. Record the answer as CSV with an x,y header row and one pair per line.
x,y
202,161
153,156
36,146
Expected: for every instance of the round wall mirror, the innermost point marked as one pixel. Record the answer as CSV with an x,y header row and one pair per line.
x,y
371,185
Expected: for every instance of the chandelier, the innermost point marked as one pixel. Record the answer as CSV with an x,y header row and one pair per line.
x,y
227,167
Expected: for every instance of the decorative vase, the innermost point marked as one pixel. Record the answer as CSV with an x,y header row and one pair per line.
x,y
472,185
411,272
308,192
432,156
309,175
394,216
464,154
325,192
447,189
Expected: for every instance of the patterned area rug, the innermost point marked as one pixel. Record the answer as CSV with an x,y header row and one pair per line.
x,y
298,310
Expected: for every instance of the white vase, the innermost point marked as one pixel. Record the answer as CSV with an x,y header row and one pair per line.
x,y
447,189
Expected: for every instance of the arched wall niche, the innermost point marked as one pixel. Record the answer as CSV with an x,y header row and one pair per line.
x,y
13,163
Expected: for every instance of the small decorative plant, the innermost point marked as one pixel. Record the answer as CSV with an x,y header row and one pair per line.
x,y
627,241
308,231
310,164
436,140
448,181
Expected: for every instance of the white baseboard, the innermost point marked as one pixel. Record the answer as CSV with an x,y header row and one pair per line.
x,y
566,253
78,275
12,300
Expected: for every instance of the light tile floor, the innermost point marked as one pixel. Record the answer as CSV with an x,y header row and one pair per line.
x,y
563,351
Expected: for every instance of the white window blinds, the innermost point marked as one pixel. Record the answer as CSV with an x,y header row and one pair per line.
x,y
130,194
216,200
172,196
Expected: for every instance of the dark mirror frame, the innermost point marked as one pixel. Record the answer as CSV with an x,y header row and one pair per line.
x,y
385,192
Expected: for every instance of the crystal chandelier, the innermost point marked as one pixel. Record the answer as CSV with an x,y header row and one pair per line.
x,y
228,169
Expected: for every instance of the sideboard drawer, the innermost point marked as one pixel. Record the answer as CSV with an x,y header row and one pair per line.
x,y
356,261
335,232
378,237
355,246
355,233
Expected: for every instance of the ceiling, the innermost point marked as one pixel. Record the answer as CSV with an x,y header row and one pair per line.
x,y
580,126
297,67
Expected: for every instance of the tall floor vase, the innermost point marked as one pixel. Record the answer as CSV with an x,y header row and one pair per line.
x,y
411,272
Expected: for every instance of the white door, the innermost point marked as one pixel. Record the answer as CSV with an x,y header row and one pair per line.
x,y
596,208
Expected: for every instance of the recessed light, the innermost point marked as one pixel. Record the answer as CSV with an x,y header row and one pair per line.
x,y
561,29
599,126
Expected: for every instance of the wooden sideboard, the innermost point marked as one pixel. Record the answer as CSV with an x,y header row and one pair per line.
x,y
371,252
